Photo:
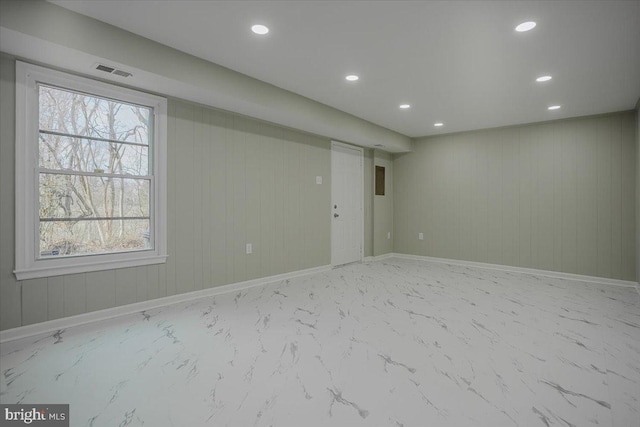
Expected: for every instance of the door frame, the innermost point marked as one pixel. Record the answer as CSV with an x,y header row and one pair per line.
x,y
361,150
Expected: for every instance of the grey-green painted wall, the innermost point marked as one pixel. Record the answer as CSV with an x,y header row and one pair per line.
x,y
231,180
10,314
557,196
383,207
369,212
638,191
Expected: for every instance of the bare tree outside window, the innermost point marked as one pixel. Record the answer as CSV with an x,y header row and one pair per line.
x,y
95,181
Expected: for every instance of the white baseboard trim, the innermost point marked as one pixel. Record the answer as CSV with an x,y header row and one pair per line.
x,y
47,327
115,312
377,258
532,271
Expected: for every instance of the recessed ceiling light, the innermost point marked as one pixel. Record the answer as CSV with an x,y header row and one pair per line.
x,y
352,77
526,26
260,29
543,78
405,106
554,107
439,124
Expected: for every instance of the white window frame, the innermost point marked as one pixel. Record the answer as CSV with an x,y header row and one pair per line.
x,y
28,263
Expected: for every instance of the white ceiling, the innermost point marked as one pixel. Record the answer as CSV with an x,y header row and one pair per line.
x,y
459,62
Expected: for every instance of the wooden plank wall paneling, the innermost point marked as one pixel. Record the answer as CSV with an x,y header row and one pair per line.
x,y
554,196
232,180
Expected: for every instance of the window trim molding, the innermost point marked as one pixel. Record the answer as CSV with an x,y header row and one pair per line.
x,y
28,266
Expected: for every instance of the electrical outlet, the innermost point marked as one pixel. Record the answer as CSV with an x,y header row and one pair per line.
x,y
389,235
318,180
249,248
420,236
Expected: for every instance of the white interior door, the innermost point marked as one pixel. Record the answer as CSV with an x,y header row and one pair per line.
x,y
347,196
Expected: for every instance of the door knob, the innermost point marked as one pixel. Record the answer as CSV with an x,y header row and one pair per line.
x,y
335,215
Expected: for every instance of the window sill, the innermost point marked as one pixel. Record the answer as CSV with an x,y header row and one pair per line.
x,y
85,267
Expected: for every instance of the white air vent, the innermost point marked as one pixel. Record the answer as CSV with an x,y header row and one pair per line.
x,y
121,73
112,70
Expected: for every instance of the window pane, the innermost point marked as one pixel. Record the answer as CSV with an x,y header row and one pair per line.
x,y
83,155
86,115
93,237
77,196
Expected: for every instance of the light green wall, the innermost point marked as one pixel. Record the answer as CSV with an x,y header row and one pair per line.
x,y
383,207
555,196
232,180
9,289
638,191
368,203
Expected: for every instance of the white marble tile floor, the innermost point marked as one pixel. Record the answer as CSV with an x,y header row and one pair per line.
x,y
395,343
